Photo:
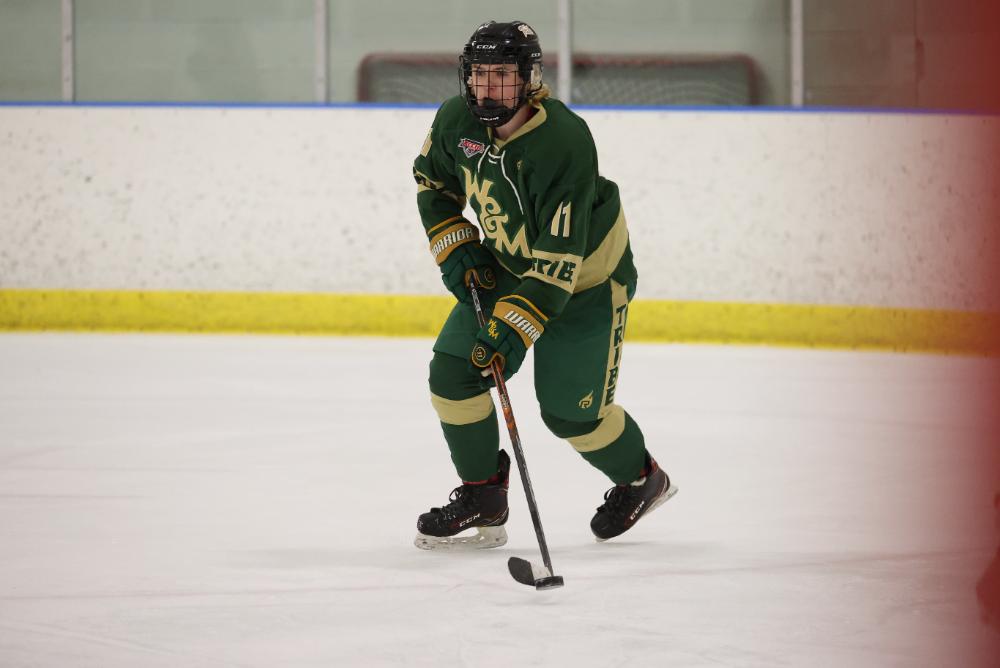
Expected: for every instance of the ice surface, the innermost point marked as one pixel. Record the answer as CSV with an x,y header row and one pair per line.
x,y
250,501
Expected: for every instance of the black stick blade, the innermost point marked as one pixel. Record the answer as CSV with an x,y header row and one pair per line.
x,y
539,578
520,570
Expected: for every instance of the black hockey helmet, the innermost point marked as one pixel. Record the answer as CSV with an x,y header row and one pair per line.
x,y
497,43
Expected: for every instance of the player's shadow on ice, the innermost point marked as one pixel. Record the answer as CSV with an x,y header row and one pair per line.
x,y
637,549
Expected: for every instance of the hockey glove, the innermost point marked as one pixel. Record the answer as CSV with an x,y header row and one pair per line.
x,y
506,337
459,255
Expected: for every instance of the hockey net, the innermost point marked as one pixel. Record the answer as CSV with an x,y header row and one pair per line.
x,y
644,80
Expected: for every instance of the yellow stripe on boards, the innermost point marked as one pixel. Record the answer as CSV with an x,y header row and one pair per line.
x,y
912,330
223,312
816,326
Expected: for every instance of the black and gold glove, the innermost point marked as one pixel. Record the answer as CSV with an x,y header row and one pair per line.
x,y
456,248
515,325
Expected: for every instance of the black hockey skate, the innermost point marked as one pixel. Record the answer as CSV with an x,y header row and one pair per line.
x,y
625,504
480,506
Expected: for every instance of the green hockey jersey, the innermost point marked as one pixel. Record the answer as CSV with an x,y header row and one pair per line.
x,y
544,211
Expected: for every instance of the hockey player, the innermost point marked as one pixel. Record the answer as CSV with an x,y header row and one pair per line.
x,y
557,274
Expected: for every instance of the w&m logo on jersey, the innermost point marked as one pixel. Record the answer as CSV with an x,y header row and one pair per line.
x,y
493,218
491,329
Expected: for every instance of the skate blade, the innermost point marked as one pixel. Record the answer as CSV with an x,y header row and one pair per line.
x,y
662,498
484,539
657,502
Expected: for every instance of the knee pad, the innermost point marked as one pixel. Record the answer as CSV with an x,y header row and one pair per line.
x,y
455,392
451,378
567,428
592,435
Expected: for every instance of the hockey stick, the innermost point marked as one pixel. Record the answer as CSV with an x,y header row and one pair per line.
x,y
520,569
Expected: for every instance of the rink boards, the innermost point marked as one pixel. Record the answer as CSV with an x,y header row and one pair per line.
x,y
827,229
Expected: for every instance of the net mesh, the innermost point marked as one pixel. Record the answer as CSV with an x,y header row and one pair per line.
x,y
597,80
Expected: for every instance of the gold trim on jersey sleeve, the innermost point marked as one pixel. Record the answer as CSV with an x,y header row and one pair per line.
x,y
599,265
463,411
426,148
425,183
606,433
559,269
